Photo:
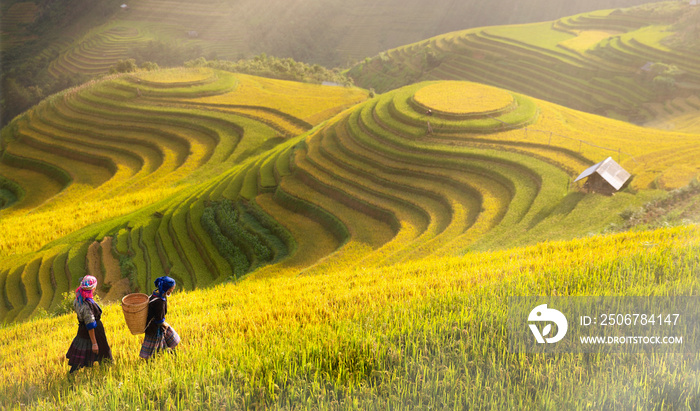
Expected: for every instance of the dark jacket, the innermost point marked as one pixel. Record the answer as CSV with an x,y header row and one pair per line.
x,y
157,308
105,352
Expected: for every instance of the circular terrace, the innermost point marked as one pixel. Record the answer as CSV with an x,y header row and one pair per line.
x,y
463,99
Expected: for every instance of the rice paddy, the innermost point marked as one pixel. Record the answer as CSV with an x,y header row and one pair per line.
x,y
128,144
462,98
428,333
191,163
14,22
340,251
589,62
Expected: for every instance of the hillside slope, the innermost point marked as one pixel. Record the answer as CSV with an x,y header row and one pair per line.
x,y
609,62
241,187
430,333
49,46
330,33
139,144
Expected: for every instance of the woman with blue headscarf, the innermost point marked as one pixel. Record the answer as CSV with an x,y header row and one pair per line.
x,y
159,334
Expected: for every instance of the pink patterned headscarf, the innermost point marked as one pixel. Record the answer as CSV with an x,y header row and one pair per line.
x,y
85,289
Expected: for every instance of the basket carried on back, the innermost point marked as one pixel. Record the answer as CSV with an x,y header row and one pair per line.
x,y
135,308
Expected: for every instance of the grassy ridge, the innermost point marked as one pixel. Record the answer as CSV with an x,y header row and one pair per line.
x,y
426,333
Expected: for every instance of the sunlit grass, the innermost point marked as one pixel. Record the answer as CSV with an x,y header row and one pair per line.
x,y
301,100
180,76
376,336
53,223
586,39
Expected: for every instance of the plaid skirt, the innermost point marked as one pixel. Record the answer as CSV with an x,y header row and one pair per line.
x,y
162,340
80,351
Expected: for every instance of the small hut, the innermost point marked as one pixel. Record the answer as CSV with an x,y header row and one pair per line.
x,y
606,177
645,70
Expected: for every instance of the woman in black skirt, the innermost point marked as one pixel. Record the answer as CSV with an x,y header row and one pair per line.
x,y
90,344
159,335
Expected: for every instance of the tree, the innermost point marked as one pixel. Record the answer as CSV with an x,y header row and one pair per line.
x,y
149,66
664,77
124,66
664,83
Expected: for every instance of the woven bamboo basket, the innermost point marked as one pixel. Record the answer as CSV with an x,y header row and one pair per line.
x,y
135,308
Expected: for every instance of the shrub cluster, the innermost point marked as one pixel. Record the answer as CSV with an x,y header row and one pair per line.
x,y
274,229
127,267
278,68
232,254
10,192
678,207
234,240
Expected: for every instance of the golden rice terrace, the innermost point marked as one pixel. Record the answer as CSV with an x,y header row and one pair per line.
x,y
206,176
463,99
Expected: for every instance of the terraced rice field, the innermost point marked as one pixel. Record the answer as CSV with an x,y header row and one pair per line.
x,y
14,21
90,155
207,176
589,62
462,99
679,114
213,28
99,49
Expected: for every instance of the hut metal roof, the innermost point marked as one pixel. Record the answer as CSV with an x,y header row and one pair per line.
x,y
612,172
647,66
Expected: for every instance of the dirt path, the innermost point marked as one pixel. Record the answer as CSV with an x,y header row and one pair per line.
x,y
113,274
102,265
93,265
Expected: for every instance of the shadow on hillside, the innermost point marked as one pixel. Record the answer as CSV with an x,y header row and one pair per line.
x,y
562,208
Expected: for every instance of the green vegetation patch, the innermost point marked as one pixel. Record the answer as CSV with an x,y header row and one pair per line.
x,y
244,235
49,170
275,67
10,192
